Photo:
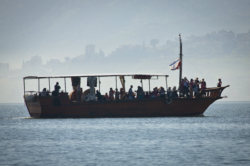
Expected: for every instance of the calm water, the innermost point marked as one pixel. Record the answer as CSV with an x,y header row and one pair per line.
x,y
220,137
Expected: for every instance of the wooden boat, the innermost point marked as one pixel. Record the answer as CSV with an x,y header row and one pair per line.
x,y
66,106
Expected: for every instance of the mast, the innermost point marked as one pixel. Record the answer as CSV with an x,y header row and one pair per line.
x,y
180,75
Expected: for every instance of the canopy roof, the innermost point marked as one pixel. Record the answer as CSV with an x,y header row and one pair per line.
x,y
95,75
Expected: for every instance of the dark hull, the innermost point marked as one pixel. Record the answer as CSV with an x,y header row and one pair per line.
x,y
46,107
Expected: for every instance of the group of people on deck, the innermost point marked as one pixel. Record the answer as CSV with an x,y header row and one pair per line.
x,y
138,94
54,93
189,88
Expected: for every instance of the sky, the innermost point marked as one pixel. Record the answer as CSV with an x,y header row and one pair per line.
x,y
62,28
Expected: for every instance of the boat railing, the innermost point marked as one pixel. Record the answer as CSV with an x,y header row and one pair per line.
x,y
211,92
36,93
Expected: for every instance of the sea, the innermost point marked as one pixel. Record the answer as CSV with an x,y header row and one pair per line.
x,y
219,137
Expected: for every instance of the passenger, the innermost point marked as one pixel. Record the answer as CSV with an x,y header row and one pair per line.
x,y
174,93
62,94
219,83
43,93
162,92
186,85
130,93
198,83
47,93
169,92
116,94
78,92
122,93
154,93
140,93
202,84
57,87
106,96
98,95
196,87
191,84
147,95
158,91
111,94
182,87
205,84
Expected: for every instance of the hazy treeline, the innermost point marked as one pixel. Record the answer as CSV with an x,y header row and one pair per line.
x,y
214,44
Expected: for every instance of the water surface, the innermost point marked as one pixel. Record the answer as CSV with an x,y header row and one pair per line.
x,y
220,137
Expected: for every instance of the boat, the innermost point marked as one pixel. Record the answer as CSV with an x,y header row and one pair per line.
x,y
67,106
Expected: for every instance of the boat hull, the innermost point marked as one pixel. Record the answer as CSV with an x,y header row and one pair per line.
x,y
53,107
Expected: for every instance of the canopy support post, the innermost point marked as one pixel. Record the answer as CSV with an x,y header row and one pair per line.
x,y
166,83
149,85
65,84
99,84
38,85
115,82
49,84
180,75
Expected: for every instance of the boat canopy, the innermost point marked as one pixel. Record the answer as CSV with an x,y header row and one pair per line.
x,y
135,75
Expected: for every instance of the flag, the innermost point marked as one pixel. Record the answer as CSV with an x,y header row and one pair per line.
x,y
175,65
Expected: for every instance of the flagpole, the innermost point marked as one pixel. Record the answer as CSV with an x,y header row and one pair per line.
x,y
180,75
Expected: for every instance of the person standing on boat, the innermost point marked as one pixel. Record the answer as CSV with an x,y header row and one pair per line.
x,y
154,94
98,95
186,84
175,95
106,97
57,88
205,84
195,87
219,83
121,93
191,84
162,92
169,92
198,83
140,93
43,92
182,88
78,92
47,93
111,94
116,94
130,93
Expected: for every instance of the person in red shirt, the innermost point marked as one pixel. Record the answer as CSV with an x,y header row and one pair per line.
x,y
202,84
106,96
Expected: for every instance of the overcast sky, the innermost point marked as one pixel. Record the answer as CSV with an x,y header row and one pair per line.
x,y
58,29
